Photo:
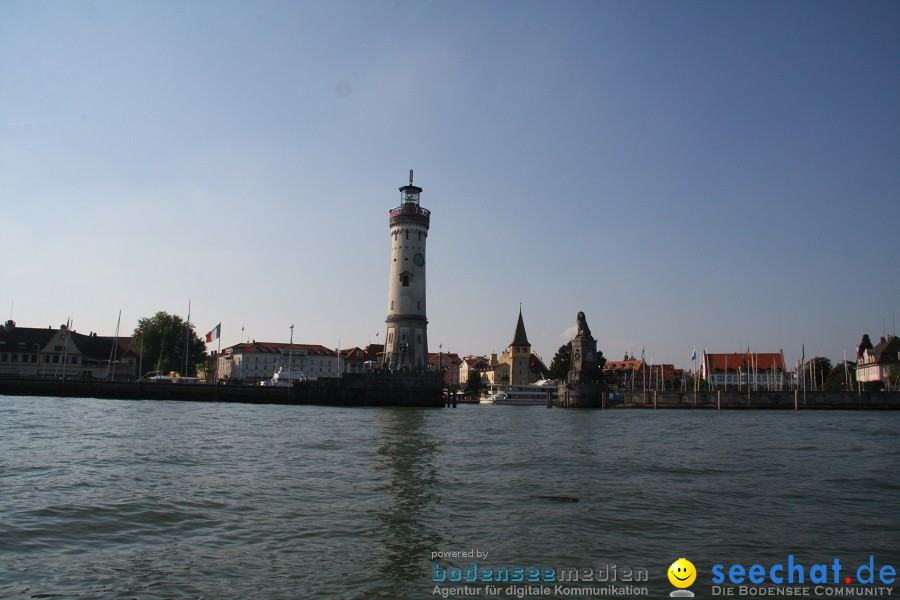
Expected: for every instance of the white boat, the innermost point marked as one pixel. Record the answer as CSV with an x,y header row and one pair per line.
x,y
524,395
284,378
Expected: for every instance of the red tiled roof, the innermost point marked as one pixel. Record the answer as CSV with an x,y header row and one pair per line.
x,y
887,351
93,345
760,360
623,365
355,353
447,357
374,351
278,347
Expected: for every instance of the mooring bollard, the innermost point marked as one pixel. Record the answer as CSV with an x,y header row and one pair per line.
x,y
549,399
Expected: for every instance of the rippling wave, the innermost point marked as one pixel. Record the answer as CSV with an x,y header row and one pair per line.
x,y
118,499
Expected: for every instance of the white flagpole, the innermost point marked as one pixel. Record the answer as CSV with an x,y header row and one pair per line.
x,y
846,372
219,353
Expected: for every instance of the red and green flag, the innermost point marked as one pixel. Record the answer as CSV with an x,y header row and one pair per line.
x,y
214,334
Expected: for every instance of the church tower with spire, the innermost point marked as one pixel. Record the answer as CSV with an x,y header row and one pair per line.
x,y
520,355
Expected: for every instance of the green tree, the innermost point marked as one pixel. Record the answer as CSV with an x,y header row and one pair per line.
x,y
559,366
837,377
160,340
697,381
474,384
893,377
821,367
873,386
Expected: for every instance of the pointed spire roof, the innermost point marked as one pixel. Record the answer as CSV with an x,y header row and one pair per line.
x,y
520,339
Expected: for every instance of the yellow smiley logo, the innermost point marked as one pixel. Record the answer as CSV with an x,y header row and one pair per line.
x,y
682,573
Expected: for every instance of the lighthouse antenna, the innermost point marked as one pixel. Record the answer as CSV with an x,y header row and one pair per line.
x,y
410,176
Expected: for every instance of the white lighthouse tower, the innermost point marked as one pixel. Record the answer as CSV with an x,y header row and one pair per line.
x,y
406,341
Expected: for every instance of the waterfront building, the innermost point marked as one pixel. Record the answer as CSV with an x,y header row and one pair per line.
x,y
63,353
496,373
471,366
447,363
758,369
353,360
499,369
635,373
628,372
406,338
518,365
874,363
361,360
251,362
374,351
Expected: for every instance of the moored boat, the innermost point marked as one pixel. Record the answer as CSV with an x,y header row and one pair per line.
x,y
284,378
525,395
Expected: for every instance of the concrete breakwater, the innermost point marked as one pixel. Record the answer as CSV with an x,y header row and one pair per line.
x,y
376,389
759,400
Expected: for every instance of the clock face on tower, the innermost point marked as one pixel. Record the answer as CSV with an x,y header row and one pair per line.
x,y
419,260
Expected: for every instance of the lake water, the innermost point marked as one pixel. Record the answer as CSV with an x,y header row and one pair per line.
x,y
119,499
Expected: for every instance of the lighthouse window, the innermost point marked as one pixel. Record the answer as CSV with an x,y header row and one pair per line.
x,y
406,281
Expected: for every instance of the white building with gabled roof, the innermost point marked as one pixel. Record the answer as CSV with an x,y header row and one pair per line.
x,y
251,362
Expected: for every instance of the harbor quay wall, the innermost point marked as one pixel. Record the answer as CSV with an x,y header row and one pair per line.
x,y
761,399
386,389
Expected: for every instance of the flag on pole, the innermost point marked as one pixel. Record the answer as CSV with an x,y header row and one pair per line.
x,y
214,334
694,355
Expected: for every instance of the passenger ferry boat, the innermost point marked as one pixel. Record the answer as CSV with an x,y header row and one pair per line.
x,y
533,394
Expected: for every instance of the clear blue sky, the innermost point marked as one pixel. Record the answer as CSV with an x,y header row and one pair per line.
x,y
689,174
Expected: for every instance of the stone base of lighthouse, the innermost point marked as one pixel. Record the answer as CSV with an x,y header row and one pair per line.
x,y
582,395
406,340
